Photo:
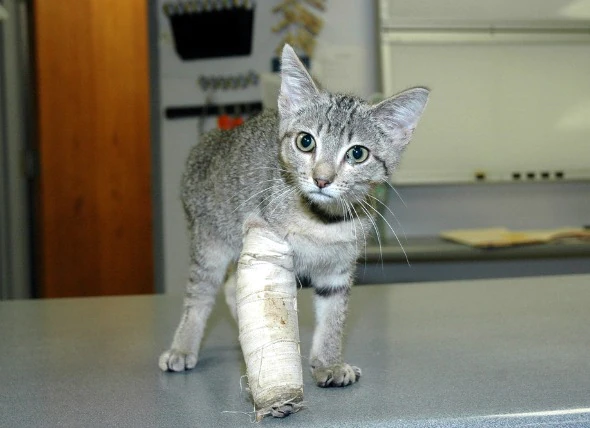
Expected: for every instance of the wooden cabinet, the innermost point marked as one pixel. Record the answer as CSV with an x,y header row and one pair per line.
x,y
93,201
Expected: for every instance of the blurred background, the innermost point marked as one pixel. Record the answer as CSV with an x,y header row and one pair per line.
x,y
101,100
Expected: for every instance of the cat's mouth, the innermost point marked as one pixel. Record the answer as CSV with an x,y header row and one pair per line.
x,y
318,196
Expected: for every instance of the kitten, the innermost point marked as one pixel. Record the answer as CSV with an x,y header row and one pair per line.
x,y
305,172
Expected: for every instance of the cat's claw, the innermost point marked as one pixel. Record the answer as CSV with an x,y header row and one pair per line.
x,y
175,360
336,375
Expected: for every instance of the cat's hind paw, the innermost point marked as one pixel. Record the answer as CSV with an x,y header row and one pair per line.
x,y
336,375
175,360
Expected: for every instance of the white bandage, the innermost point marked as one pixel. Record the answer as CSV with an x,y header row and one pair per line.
x,y
266,297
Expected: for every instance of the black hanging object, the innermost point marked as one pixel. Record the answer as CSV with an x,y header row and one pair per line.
x,y
218,31
212,110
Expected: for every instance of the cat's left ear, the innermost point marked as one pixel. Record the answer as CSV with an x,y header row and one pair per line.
x,y
399,114
297,86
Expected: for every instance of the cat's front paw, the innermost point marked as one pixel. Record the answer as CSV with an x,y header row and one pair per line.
x,y
283,410
335,375
175,360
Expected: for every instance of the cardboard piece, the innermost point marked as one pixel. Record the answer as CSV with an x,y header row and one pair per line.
x,y
503,237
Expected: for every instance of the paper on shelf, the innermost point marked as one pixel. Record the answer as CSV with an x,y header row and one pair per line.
x,y
503,237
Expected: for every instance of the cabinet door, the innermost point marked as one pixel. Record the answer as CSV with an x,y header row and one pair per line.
x,y
93,212
496,13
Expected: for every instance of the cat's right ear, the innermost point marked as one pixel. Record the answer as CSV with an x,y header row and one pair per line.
x,y
399,114
297,86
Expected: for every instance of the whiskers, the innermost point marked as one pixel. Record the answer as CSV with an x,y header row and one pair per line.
x,y
386,181
270,184
369,209
350,212
276,194
278,199
268,188
362,205
392,213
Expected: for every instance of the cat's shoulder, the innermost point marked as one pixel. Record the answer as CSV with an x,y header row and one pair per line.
x,y
266,122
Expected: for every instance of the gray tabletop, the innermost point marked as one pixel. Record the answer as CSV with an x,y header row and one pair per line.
x,y
451,354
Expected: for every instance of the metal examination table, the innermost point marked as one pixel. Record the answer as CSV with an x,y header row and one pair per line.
x,y
485,353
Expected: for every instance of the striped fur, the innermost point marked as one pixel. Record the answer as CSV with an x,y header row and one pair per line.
x,y
256,174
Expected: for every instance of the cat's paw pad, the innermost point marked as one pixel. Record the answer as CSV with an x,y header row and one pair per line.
x,y
175,360
336,375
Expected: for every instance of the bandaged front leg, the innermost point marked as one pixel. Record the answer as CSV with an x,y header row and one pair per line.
x,y
266,296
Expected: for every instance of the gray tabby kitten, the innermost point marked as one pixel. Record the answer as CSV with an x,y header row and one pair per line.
x,y
305,172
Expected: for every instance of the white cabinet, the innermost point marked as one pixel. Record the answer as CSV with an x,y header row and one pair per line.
x,y
510,84
481,13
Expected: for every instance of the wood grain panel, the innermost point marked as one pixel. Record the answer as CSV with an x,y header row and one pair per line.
x,y
95,216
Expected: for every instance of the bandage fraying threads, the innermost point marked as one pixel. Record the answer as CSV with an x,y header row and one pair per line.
x,y
266,297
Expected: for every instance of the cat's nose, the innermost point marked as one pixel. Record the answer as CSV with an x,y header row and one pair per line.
x,y
321,183
323,174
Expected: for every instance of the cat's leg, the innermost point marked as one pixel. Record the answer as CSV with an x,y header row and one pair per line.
x,y
331,306
230,291
267,314
206,274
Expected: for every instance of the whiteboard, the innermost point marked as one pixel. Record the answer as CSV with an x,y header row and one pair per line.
x,y
504,105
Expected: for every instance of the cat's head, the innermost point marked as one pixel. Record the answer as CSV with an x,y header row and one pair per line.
x,y
339,146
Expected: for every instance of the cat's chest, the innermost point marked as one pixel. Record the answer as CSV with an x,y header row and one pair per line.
x,y
323,246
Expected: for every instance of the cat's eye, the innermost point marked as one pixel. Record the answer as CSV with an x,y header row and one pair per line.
x,y
305,142
357,154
